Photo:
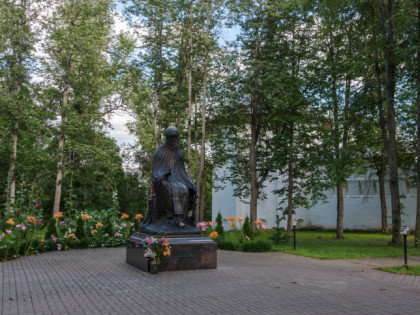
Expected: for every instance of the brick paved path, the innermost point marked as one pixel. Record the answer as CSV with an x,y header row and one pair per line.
x,y
98,281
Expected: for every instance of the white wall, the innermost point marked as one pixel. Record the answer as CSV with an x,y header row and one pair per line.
x,y
361,205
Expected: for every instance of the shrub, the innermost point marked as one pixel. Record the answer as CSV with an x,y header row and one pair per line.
x,y
257,246
51,228
219,227
227,244
109,227
247,229
85,242
80,229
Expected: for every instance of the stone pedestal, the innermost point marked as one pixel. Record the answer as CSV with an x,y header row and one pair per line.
x,y
187,253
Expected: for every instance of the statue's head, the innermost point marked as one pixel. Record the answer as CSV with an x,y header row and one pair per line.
x,y
172,135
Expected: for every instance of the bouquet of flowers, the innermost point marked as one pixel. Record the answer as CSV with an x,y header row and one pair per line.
x,y
156,248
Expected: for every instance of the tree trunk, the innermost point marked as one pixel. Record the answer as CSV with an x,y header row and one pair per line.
x,y
203,195
155,95
57,196
17,89
290,183
417,228
340,212
201,172
12,166
189,78
255,126
390,67
382,171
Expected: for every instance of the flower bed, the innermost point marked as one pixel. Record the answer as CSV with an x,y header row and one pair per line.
x,y
22,233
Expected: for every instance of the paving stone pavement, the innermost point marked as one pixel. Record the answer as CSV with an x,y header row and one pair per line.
x,y
98,281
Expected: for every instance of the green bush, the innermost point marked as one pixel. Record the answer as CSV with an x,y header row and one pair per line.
x,y
85,242
109,227
219,227
51,228
247,229
227,244
80,229
257,246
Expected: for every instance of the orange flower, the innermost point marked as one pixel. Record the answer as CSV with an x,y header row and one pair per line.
x,y
124,216
71,235
239,219
31,219
139,217
167,252
10,221
58,215
214,234
99,224
94,231
232,224
231,218
42,241
258,221
85,217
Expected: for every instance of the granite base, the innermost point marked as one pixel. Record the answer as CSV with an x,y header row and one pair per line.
x,y
187,253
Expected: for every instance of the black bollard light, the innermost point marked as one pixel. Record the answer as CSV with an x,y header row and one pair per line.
x,y
404,231
294,234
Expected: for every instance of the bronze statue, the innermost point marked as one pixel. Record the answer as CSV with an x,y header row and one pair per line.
x,y
172,206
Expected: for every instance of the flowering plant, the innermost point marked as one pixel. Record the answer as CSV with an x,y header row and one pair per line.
x,y
260,224
156,249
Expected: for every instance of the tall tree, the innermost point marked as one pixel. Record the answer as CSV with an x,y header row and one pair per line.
x,y
78,33
388,17
15,57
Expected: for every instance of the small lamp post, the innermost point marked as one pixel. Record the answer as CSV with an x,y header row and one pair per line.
x,y
404,231
294,234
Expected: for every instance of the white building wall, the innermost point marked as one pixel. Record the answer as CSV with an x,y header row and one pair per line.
x,y
361,205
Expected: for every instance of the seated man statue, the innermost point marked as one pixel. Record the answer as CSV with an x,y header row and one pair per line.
x,y
174,194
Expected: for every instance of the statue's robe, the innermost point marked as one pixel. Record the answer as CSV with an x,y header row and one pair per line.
x,y
173,193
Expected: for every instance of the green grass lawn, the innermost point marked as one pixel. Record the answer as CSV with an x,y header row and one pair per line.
x,y
345,249
348,235
411,270
323,245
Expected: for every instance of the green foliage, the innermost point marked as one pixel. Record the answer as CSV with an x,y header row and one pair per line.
x,y
51,228
335,249
247,229
403,270
80,229
227,244
278,230
257,246
219,227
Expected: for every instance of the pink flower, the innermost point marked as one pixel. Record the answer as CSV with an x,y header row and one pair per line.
x,y
1,236
8,231
53,238
37,204
149,240
18,226
23,227
17,211
62,223
132,224
59,246
202,226
123,224
117,234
